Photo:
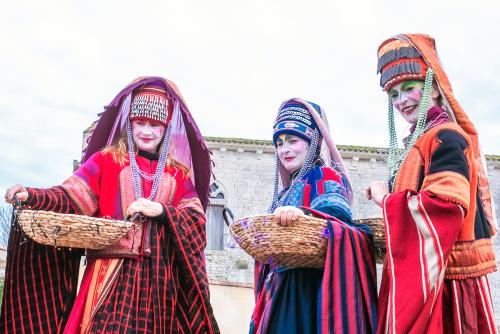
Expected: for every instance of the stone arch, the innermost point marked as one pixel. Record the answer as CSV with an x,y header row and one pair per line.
x,y
217,190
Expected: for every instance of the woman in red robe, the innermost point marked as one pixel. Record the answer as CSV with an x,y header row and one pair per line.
x,y
145,156
437,204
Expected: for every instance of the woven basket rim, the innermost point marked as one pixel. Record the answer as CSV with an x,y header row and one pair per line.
x,y
71,215
71,230
375,223
271,216
302,243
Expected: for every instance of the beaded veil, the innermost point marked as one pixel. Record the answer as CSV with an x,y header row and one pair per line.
x,y
183,140
329,154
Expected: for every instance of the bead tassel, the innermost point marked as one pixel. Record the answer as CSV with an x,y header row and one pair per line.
x,y
396,157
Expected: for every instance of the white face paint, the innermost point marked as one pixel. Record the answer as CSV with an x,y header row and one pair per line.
x,y
147,134
292,151
406,96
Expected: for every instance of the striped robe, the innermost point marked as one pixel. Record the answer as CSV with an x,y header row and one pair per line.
x,y
40,281
434,278
152,281
339,298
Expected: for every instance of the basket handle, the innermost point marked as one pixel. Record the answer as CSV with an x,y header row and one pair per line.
x,y
133,218
17,202
226,211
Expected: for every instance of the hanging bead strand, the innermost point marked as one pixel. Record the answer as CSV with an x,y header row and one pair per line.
x,y
394,163
136,172
306,167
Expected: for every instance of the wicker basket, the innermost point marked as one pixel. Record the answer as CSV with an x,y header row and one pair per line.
x,y
302,244
74,231
377,226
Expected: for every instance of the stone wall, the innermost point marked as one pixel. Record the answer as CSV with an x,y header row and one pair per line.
x,y
494,279
244,169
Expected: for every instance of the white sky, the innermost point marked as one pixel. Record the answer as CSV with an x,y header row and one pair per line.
x,y
234,62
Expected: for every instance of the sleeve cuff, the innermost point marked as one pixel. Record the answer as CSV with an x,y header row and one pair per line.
x,y
161,218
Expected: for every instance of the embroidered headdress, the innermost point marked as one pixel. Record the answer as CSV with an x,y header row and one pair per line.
x,y
151,102
157,99
399,61
308,121
294,118
427,52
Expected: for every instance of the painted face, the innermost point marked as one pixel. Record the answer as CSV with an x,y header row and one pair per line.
x,y
406,97
147,134
292,151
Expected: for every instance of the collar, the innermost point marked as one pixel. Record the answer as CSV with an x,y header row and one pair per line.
x,y
148,155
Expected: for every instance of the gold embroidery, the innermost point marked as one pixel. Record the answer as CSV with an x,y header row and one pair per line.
x,y
81,194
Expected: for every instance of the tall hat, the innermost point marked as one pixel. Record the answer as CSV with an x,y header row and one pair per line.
x,y
308,121
294,118
399,60
426,48
150,95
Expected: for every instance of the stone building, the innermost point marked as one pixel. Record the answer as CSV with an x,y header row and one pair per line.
x,y
244,176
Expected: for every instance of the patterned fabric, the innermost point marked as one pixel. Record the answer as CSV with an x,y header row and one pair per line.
x,y
164,290
151,103
190,147
307,300
426,46
294,118
438,241
40,281
437,305
327,149
466,307
441,164
150,289
348,296
166,293
399,61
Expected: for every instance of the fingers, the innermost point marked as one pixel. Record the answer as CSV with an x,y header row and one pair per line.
x,y
132,209
368,193
18,190
287,214
376,192
283,217
135,206
146,207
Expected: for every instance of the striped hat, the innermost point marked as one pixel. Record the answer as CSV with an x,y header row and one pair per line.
x,y
151,103
294,118
399,60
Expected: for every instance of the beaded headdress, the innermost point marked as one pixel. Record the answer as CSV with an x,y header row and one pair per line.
x,y
151,103
300,112
426,46
398,61
182,142
294,118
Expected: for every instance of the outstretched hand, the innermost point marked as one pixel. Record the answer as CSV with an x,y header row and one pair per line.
x,y
16,190
286,214
146,207
376,192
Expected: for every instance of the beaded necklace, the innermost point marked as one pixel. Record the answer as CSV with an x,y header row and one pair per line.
x,y
306,167
136,171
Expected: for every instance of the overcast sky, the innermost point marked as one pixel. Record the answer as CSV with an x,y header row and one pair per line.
x,y
234,62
